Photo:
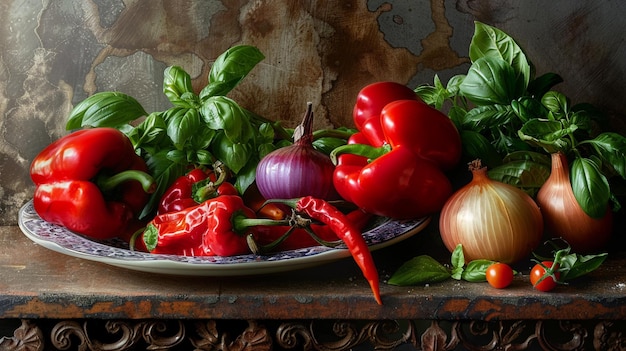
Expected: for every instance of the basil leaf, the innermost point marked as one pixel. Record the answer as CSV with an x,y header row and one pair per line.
x,y
246,175
458,262
482,117
177,86
234,155
527,175
182,125
590,186
105,109
230,68
476,145
491,42
542,84
557,103
419,270
490,80
528,108
547,134
476,270
150,133
575,265
220,112
611,148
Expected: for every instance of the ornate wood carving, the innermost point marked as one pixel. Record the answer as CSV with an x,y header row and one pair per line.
x,y
322,335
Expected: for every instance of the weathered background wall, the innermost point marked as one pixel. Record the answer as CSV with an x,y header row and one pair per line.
x,y
55,53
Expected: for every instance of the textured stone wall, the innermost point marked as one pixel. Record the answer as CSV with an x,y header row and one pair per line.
x,y
53,54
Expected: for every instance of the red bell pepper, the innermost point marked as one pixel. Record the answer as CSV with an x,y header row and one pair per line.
x,y
370,102
193,188
92,182
404,178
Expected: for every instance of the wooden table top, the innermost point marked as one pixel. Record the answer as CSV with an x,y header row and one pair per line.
x,y
36,282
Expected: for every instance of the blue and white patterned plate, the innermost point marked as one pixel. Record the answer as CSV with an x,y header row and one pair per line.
x,y
57,238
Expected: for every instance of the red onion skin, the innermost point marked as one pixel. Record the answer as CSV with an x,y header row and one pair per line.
x,y
481,217
564,217
295,171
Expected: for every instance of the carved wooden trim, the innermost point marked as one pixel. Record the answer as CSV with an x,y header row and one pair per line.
x,y
322,335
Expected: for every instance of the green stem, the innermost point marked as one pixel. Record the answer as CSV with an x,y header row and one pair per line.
x,y
369,151
333,133
107,183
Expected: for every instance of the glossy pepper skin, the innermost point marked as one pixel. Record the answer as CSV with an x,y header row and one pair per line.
x,y
180,194
212,228
405,177
370,102
329,215
69,191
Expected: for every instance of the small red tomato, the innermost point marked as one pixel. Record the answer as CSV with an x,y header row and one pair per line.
x,y
499,275
538,271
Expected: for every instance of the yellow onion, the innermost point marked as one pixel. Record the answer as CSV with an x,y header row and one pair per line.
x,y
491,219
563,215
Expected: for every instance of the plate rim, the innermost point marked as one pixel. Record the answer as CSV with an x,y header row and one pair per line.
x,y
165,264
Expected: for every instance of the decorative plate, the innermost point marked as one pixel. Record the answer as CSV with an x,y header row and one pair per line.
x,y
383,233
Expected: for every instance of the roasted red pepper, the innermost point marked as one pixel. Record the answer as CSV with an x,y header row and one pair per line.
x,y
92,182
216,227
194,188
405,177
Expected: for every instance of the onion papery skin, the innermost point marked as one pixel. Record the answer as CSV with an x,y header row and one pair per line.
x,y
563,215
296,171
492,220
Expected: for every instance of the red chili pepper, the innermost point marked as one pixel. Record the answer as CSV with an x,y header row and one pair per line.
x,y
192,189
329,215
218,226
404,178
300,237
92,182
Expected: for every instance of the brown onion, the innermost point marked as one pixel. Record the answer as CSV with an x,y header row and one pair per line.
x,y
563,215
491,219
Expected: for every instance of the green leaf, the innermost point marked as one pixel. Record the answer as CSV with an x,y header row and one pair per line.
x,y
458,262
523,169
151,133
575,265
475,271
230,68
542,84
491,42
234,155
528,108
547,134
475,145
483,117
177,87
150,237
246,175
105,109
220,112
590,187
419,270
611,148
557,103
490,80
183,125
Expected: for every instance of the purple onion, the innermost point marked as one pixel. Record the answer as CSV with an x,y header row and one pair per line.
x,y
297,170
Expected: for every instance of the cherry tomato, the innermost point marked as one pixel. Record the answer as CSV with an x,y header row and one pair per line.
x,y
499,275
539,271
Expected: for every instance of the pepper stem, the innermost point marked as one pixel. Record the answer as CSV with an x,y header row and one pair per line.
x,y
369,151
107,183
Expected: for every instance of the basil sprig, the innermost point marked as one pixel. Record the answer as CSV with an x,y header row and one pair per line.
x,y
198,129
511,119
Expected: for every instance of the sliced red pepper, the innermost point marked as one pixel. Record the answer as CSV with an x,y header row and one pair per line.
x,y
92,182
